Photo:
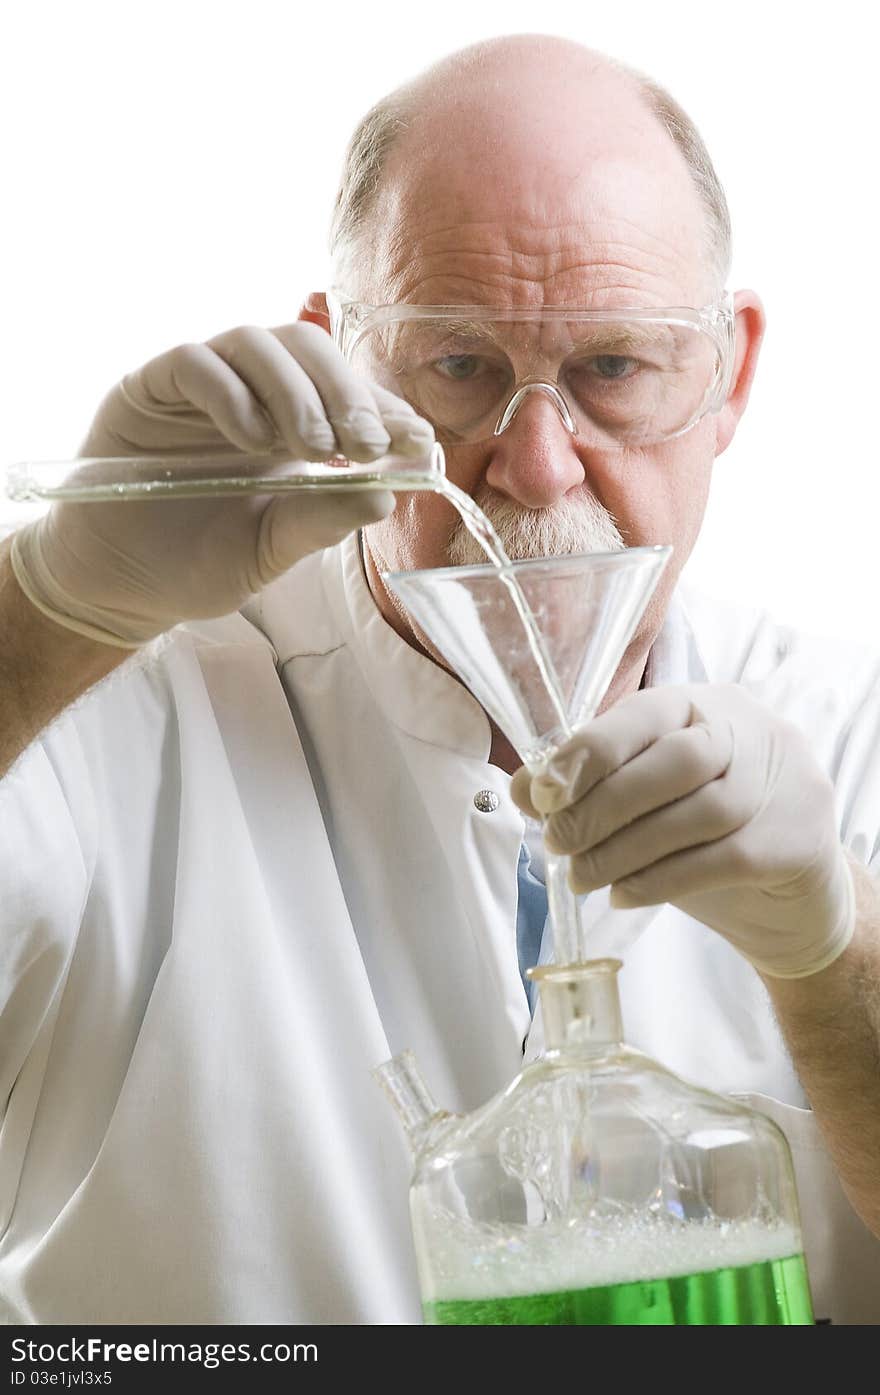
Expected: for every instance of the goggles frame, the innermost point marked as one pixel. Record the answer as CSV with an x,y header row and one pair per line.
x,y
351,320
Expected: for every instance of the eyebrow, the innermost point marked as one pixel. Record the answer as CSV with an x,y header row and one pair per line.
x,y
609,337
437,334
468,329
598,338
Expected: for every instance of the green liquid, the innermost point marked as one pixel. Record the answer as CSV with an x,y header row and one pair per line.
x,y
769,1293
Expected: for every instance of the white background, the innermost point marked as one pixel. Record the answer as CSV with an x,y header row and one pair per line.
x,y
169,170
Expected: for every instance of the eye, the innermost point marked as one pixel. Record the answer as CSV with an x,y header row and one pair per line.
x,y
614,366
458,366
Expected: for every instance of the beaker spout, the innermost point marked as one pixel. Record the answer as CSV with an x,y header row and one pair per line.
x,y
405,1087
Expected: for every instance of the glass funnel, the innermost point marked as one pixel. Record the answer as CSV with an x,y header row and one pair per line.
x,y
537,643
216,473
599,1188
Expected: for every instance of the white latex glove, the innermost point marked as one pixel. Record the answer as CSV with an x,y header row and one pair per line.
x,y
122,573
700,797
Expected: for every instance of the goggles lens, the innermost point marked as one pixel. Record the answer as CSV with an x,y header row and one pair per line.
x,y
625,381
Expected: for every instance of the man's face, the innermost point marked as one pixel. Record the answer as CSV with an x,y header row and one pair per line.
x,y
583,201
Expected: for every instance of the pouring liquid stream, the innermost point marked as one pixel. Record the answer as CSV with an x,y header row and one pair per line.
x,y
564,909
481,529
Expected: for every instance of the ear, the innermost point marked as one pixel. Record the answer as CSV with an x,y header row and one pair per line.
x,y
750,325
315,310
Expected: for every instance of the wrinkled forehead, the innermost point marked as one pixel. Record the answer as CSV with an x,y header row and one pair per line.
x,y
607,215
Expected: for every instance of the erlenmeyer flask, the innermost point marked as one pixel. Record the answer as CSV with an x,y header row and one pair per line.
x,y
599,1188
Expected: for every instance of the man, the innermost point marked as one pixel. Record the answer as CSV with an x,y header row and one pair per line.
x,y
277,847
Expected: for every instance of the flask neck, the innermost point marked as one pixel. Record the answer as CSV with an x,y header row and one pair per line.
x,y
413,1102
580,1004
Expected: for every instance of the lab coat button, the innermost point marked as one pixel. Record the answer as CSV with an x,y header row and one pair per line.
x,y
486,801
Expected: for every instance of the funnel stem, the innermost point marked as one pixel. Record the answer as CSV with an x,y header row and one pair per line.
x,y
565,913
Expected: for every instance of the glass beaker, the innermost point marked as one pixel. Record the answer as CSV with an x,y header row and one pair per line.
x,y
599,1188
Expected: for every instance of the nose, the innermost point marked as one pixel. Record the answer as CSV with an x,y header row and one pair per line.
x,y
533,457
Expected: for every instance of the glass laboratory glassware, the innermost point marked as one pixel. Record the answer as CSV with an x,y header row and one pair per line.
x,y
215,473
599,1188
537,642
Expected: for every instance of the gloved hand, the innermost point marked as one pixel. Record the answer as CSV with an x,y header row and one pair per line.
x,y
700,797
122,573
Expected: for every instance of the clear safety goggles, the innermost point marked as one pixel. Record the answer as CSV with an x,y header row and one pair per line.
x,y
627,377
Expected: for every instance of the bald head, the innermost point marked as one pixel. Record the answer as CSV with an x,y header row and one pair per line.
x,y
532,128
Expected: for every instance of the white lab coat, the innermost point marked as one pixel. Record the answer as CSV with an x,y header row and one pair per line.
x,y
226,897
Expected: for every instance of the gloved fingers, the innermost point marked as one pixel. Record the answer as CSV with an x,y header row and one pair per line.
x,y
673,878
609,741
368,421
520,793
290,528
284,387
410,433
727,863
698,822
674,766
194,374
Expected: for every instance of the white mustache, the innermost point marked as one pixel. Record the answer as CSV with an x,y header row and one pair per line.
x,y
575,525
